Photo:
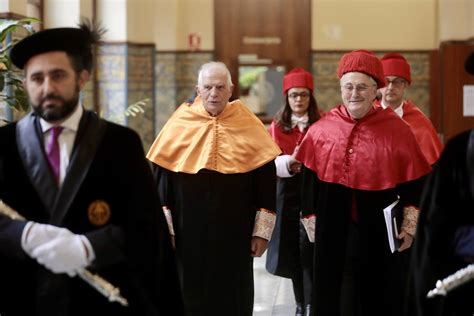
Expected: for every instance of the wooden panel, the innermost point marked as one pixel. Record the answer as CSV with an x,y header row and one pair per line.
x,y
238,22
453,78
435,104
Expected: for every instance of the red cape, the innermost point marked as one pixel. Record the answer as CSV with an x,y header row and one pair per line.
x,y
286,141
424,131
376,152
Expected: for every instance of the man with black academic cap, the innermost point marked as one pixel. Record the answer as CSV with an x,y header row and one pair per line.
x,y
86,191
358,159
444,241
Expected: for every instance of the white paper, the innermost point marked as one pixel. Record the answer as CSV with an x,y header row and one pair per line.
x,y
468,100
387,213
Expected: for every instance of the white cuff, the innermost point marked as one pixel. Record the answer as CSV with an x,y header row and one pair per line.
x,y
264,223
169,219
282,164
90,249
24,236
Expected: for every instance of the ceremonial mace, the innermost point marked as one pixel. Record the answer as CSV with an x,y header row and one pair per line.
x,y
451,282
103,286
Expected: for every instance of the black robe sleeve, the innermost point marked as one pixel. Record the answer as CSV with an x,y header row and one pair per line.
x,y
447,204
309,186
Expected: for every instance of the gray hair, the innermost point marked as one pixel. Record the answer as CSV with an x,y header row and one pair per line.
x,y
218,67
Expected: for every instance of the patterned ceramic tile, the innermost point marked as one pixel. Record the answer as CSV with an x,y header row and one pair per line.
x,y
324,69
176,77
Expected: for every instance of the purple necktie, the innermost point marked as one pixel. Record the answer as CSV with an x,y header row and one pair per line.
x,y
52,151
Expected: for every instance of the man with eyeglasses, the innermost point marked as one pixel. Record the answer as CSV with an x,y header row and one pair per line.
x,y
358,159
397,78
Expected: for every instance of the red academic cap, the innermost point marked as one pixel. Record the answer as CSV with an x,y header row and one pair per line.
x,y
362,61
394,64
297,77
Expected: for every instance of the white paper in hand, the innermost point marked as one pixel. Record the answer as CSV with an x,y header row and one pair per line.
x,y
393,219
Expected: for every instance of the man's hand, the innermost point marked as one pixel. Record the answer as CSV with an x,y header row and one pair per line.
x,y
295,166
258,246
407,240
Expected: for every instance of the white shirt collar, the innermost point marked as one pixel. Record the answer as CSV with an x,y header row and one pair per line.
x,y
71,123
300,121
398,110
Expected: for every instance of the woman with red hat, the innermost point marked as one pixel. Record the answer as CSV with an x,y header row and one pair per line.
x,y
290,253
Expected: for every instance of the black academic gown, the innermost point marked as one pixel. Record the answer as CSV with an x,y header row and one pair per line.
x,y
447,204
283,257
290,253
132,248
213,218
355,273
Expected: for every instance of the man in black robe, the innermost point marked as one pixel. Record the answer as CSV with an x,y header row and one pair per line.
x,y
87,194
444,241
358,159
216,173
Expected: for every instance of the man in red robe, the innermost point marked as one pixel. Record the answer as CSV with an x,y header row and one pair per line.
x,y
397,75
358,159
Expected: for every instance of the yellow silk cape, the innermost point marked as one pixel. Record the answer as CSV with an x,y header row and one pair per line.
x,y
235,141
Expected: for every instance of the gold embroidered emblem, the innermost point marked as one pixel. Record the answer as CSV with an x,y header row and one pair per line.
x,y
98,212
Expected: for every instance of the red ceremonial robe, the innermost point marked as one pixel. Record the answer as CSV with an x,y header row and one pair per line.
x,y
358,164
424,131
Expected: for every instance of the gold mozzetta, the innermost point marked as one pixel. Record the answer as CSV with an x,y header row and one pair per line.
x,y
235,141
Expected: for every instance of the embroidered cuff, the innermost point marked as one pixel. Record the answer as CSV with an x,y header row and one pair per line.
x,y
309,224
264,223
169,219
410,219
282,164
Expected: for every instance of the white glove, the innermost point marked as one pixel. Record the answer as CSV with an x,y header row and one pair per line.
x,y
36,234
63,254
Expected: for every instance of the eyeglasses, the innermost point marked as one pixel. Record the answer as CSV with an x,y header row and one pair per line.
x,y
397,83
358,87
302,95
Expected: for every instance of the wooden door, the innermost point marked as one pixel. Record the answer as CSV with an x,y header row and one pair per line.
x,y
453,78
272,33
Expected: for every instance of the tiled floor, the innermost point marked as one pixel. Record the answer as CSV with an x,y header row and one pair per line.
x,y
273,295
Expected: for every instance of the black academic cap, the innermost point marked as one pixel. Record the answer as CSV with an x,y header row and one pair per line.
x,y
74,41
469,64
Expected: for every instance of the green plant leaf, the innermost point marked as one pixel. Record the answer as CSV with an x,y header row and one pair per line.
x,y
11,88
136,108
22,99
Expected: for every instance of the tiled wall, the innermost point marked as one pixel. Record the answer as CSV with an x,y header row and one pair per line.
x,y
176,77
130,73
327,91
